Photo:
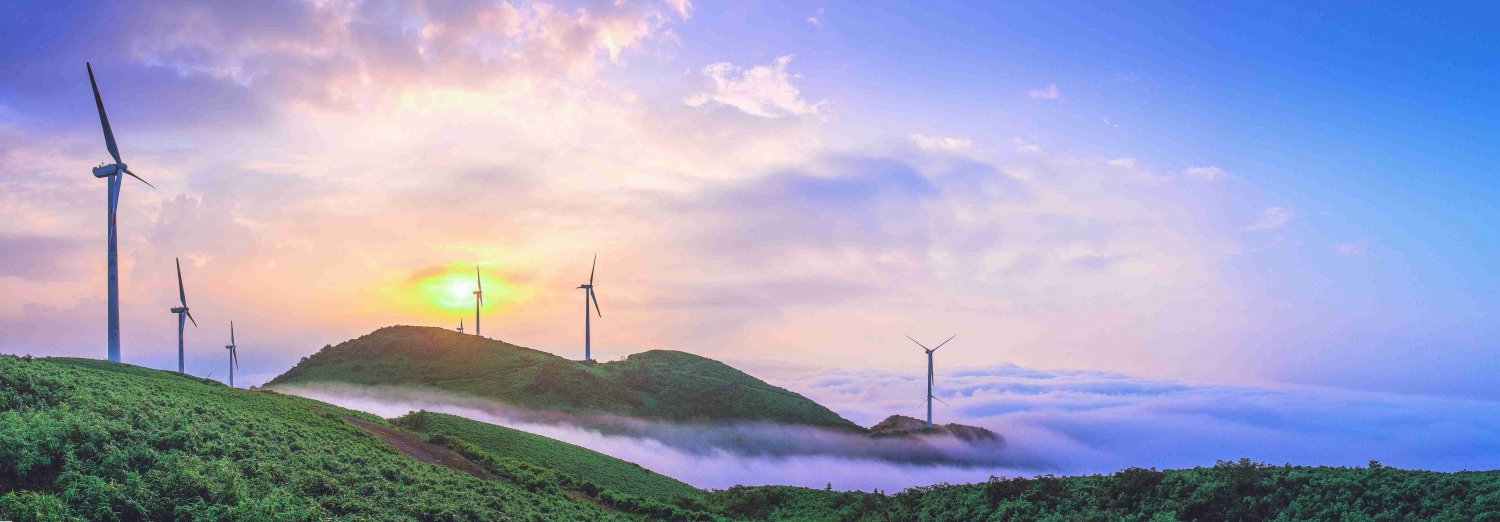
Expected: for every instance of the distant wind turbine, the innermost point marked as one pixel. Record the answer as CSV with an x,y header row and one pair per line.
x,y
929,375
460,325
588,295
478,299
183,315
234,357
113,173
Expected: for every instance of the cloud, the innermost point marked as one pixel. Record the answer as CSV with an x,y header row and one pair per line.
x,y
716,455
763,90
1124,163
351,54
1025,146
1207,173
42,258
1272,218
1099,422
684,8
940,143
1046,93
1348,249
814,21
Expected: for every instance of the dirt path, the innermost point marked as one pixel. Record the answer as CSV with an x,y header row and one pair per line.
x,y
413,446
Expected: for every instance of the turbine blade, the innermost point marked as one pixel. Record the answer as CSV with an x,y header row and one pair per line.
x,y
109,136
944,342
190,318
591,269
595,298
234,353
231,333
944,403
924,347
180,293
132,174
479,279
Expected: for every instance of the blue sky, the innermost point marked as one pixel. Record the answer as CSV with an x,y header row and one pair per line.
x,y
1252,194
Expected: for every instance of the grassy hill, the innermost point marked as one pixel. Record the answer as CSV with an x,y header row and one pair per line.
x,y
92,440
561,457
1228,491
655,384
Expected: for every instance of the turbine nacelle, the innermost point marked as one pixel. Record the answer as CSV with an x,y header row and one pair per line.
x,y
179,309
104,171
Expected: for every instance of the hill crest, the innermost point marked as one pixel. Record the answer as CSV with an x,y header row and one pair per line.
x,y
664,384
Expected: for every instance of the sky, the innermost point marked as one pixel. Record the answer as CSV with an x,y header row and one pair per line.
x,y
1249,196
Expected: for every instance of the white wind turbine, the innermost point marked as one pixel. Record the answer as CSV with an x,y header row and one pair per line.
x,y
115,174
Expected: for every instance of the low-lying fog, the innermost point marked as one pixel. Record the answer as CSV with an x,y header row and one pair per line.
x,y
716,456
1062,422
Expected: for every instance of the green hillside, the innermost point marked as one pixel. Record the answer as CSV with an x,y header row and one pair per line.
x,y
1228,491
91,440
506,443
657,384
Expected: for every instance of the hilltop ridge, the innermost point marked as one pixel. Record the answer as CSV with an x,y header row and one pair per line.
x,y
662,384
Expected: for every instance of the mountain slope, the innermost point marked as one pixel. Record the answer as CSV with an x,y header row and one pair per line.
x,y
506,443
655,384
104,441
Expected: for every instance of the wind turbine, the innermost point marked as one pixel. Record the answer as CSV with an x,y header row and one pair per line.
x,y
478,299
113,173
234,357
460,325
930,398
588,295
183,315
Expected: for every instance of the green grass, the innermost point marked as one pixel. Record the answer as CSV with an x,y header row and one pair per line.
x,y
506,443
1229,491
90,440
655,384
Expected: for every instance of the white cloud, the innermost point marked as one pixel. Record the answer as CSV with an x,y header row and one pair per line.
x,y
1124,163
1025,146
1090,421
763,90
1207,173
1349,249
1273,218
683,7
1109,123
814,21
1046,93
940,143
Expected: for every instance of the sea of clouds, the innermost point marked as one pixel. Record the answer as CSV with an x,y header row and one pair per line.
x,y
1061,422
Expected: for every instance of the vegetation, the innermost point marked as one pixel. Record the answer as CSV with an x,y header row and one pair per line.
x,y
655,384
504,444
1228,491
92,440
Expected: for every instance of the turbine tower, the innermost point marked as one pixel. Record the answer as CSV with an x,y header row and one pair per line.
x,y
234,357
113,174
183,315
930,398
478,299
460,325
588,295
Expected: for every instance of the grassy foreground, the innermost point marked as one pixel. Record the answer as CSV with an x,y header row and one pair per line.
x,y
657,384
504,443
92,440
